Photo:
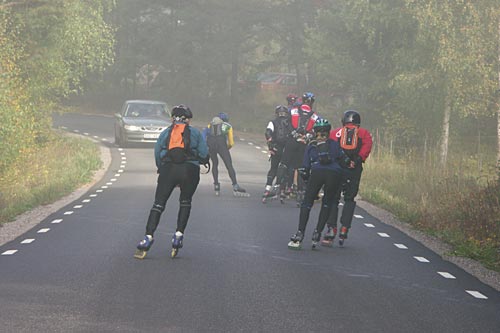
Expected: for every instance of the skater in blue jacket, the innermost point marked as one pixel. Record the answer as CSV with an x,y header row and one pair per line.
x,y
178,153
320,169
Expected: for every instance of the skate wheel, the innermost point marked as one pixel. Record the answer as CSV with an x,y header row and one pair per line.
x,y
140,254
174,253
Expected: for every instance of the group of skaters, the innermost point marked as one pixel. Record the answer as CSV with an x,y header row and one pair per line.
x,y
309,158
306,156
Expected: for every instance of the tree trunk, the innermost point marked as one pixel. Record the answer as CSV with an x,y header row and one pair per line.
x,y
445,131
498,108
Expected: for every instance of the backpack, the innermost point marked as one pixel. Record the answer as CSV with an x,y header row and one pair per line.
x,y
324,152
217,127
349,138
281,130
178,143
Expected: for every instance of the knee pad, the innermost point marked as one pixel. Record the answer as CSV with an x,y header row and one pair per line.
x,y
158,208
185,203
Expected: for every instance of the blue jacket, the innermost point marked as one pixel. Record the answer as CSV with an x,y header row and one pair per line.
x,y
198,146
311,157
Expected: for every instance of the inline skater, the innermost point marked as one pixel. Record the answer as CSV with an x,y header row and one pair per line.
x,y
219,137
178,153
302,120
276,134
321,169
356,144
292,100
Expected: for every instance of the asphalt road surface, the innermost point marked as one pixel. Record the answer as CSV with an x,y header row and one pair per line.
x,y
75,271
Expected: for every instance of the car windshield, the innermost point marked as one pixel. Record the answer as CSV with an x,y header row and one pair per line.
x,y
146,110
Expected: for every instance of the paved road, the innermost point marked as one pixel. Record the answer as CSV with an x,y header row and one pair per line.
x,y
75,271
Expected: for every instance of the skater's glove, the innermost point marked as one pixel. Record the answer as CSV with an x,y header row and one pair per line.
x,y
204,160
272,148
304,173
346,162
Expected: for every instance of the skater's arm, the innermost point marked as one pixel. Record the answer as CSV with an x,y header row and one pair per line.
x,y
230,139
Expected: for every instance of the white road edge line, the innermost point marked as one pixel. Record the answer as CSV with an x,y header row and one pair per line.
x,y
476,294
447,275
421,259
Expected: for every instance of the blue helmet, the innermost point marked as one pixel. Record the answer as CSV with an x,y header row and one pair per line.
x,y
308,98
223,116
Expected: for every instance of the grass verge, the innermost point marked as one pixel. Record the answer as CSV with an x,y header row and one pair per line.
x,y
461,209
44,174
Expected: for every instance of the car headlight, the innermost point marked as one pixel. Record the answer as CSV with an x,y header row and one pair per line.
x,y
132,128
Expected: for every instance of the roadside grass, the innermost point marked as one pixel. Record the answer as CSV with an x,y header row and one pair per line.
x,y
44,174
459,205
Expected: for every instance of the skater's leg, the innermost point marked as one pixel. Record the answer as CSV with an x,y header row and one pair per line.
x,y
330,190
166,184
215,165
313,187
228,162
188,187
275,160
350,192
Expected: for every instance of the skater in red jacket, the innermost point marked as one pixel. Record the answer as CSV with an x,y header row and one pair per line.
x,y
356,143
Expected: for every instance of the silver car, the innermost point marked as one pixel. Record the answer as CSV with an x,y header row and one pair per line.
x,y
141,121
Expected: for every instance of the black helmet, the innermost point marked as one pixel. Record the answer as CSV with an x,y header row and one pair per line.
x,y
281,111
182,111
351,116
322,125
308,98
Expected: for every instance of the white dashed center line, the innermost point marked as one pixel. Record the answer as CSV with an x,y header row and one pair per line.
x,y
56,221
9,252
77,206
383,234
93,195
28,241
86,200
401,246
358,216
369,225
43,231
68,212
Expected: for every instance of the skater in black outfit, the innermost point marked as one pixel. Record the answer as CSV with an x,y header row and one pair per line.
x,y
352,163
178,153
277,133
320,169
219,137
